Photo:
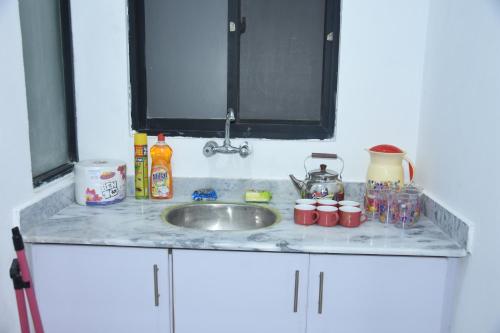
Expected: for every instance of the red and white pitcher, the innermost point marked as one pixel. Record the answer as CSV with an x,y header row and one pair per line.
x,y
386,167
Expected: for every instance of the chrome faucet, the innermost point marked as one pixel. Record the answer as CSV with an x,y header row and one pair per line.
x,y
211,147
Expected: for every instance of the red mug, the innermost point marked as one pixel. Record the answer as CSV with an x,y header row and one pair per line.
x,y
351,216
305,202
305,214
328,216
349,203
327,202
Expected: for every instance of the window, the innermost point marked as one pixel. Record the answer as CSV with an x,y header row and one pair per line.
x,y
45,28
274,62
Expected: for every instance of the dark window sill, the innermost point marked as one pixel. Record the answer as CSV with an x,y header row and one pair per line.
x,y
215,129
53,174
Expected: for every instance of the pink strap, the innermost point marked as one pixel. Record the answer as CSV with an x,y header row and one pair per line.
x,y
23,313
30,293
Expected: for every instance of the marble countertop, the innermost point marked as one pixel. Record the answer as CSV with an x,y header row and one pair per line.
x,y
138,223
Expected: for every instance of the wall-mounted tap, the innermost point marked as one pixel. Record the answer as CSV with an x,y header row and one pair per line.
x,y
211,147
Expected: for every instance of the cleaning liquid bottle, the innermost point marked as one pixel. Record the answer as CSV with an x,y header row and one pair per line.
x,y
141,166
161,185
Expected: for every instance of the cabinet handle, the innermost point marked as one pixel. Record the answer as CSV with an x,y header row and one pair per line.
x,y
155,282
320,297
296,292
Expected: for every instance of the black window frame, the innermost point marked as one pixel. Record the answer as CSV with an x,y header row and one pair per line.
x,y
69,94
207,128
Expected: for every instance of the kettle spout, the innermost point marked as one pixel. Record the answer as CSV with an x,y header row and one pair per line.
x,y
299,184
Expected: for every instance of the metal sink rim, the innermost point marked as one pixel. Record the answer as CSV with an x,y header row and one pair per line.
x,y
167,210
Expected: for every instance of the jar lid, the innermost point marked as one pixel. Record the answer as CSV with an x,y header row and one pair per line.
x,y
386,149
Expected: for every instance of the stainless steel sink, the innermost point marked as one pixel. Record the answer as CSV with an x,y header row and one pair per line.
x,y
221,216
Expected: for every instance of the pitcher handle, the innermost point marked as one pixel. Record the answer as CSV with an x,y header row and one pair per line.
x,y
411,168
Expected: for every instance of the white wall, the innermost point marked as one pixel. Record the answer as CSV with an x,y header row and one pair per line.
x,y
16,189
380,78
380,81
380,75
15,173
459,136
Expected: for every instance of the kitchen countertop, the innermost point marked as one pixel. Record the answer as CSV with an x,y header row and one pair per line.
x,y
138,223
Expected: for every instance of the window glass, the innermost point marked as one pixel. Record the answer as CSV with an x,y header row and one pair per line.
x,y
192,35
281,59
273,62
44,70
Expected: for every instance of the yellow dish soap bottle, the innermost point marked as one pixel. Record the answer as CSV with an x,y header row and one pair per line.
x,y
161,185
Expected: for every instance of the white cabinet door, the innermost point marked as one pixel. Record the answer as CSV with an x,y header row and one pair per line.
x,y
101,289
239,292
376,294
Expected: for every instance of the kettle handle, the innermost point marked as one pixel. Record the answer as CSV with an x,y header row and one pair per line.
x,y
324,155
411,168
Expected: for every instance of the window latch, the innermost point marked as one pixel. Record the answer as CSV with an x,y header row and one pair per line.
x,y
242,26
